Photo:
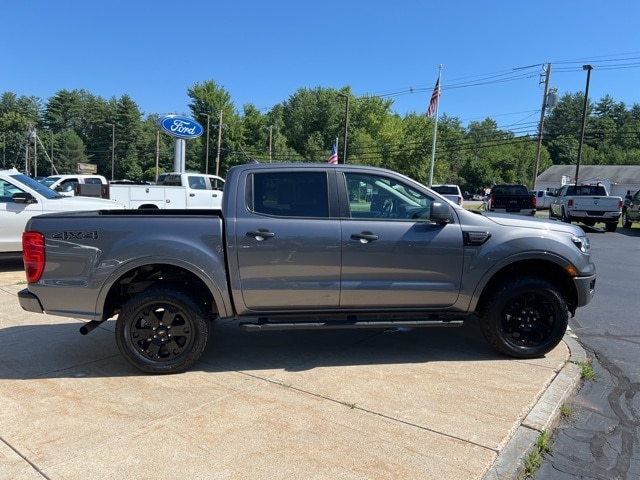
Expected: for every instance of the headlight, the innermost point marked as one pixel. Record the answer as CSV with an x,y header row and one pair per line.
x,y
582,243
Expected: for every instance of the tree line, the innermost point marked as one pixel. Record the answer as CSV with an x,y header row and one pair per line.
x,y
75,126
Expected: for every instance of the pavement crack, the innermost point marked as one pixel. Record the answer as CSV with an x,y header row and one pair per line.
x,y
33,465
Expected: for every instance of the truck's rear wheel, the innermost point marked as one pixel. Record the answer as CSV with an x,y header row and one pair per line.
x,y
525,318
162,330
611,226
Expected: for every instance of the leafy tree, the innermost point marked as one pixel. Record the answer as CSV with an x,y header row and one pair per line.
x,y
70,152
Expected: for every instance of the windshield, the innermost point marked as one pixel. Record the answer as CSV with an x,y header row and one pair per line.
x,y
445,189
47,182
34,185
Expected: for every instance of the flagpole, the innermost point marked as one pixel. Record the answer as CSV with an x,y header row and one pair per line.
x,y
435,129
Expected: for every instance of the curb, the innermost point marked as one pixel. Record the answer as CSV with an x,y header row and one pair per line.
x,y
543,416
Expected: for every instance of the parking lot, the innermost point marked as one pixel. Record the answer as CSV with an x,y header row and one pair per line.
x,y
372,404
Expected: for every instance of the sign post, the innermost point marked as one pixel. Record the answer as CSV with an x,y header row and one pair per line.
x,y
181,129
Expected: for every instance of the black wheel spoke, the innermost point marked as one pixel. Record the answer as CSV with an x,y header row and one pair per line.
x,y
528,320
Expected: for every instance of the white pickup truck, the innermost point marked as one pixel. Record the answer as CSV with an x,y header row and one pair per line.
x,y
543,198
65,184
21,198
176,191
588,204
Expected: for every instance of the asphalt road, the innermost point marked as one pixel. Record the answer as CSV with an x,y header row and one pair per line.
x,y
600,439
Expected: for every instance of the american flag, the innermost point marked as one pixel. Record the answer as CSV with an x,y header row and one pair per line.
x,y
333,158
434,100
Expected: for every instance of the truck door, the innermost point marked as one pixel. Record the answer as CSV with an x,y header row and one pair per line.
x,y
392,255
287,248
216,185
198,196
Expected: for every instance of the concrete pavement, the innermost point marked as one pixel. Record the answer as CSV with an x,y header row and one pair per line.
x,y
401,404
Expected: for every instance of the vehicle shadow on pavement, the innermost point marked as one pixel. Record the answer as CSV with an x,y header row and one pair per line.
x,y
629,232
58,350
11,264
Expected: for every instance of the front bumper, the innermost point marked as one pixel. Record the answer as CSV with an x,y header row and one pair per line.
x,y
585,287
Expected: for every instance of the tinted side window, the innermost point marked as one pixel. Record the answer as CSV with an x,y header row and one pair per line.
x,y
374,196
290,194
6,191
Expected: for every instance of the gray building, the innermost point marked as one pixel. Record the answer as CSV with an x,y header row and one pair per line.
x,y
619,179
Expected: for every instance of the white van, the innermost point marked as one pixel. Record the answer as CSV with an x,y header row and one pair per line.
x,y
65,184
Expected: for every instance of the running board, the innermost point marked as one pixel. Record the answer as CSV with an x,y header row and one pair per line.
x,y
259,326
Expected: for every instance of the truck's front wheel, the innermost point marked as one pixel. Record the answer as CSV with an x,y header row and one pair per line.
x,y
162,330
625,220
525,318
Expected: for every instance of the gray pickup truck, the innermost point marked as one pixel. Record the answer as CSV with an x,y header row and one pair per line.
x,y
307,246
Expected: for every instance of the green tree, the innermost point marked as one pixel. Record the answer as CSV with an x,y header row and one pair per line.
x,y
70,152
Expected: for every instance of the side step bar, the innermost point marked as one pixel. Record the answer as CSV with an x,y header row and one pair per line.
x,y
262,325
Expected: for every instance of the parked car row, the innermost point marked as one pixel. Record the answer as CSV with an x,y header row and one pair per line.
x,y
22,197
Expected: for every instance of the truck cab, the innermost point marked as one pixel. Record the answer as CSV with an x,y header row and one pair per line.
x,y
66,184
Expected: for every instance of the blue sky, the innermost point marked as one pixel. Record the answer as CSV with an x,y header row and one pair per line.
x,y
491,52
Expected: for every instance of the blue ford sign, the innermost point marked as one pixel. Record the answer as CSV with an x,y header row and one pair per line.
x,y
181,127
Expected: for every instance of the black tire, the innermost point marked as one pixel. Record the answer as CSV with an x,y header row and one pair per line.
x,y
564,217
162,330
610,226
625,221
525,318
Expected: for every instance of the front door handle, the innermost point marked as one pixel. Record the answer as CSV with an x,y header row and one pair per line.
x,y
364,237
261,234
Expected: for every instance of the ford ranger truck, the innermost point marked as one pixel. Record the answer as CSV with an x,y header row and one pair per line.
x,y
307,246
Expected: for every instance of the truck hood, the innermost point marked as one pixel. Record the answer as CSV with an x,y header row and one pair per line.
x,y
507,220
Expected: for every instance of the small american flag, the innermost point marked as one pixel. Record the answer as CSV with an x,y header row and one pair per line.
x,y
434,100
333,158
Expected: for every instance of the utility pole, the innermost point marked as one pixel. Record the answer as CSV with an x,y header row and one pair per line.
x,y
206,162
157,153
51,159
219,141
270,127
113,147
588,68
541,125
35,152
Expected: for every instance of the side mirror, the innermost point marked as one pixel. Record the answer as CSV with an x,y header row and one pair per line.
x,y
440,213
23,197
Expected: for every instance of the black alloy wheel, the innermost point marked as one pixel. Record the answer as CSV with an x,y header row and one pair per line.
x,y
162,330
524,318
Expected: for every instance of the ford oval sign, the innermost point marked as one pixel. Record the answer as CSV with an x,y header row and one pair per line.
x,y
181,127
